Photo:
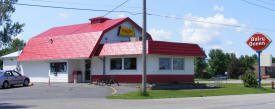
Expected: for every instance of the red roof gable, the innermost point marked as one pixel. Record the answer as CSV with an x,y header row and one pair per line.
x,y
69,42
60,47
153,47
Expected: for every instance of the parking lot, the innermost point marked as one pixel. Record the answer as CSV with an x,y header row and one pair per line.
x,y
57,90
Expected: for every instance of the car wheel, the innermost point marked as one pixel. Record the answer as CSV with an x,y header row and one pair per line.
x,y
26,82
5,85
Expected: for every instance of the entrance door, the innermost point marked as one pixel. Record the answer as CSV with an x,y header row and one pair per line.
x,y
87,70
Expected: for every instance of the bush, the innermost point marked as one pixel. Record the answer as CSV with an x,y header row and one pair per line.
x,y
249,79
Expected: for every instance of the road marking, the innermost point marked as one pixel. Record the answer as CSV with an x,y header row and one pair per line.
x,y
114,90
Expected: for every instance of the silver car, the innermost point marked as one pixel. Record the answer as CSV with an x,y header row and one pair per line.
x,y
10,77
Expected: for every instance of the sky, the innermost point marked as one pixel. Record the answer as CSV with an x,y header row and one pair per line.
x,y
177,20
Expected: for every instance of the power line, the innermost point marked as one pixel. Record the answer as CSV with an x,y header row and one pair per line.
x,y
82,4
83,9
116,7
265,2
150,14
261,6
196,20
75,3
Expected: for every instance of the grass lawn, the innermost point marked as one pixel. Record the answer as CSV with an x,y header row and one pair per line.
x,y
202,79
228,89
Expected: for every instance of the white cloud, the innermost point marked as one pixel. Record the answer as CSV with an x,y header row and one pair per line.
x,y
160,34
228,43
201,31
64,15
120,15
216,47
218,8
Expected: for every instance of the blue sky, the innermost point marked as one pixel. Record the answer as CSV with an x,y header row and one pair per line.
x,y
208,36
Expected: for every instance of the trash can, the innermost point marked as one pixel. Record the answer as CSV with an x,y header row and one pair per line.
x,y
77,76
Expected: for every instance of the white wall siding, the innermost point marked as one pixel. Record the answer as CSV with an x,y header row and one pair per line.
x,y
9,63
123,72
38,71
152,66
76,65
97,66
111,36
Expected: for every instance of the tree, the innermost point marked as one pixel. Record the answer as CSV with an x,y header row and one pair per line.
x,y
200,67
248,62
14,46
217,62
273,59
237,67
8,28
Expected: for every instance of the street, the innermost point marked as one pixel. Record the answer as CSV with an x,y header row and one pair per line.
x,y
57,90
83,96
254,101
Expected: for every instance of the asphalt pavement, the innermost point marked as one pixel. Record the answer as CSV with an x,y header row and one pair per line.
x,y
253,101
56,90
85,96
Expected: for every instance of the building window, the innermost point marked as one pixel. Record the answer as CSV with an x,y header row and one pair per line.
x,y
116,64
130,63
178,64
60,67
164,63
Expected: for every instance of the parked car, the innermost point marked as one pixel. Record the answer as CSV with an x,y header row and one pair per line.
x,y
220,77
10,77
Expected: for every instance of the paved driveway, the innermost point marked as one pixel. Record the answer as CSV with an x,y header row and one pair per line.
x,y
57,90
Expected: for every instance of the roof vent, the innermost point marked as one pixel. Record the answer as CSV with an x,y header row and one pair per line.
x,y
98,20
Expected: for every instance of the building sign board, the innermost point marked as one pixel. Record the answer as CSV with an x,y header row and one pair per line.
x,y
258,41
124,31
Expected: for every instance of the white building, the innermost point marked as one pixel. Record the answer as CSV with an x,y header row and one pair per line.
x,y
10,61
105,48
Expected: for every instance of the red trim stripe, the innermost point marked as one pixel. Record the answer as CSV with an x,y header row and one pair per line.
x,y
150,78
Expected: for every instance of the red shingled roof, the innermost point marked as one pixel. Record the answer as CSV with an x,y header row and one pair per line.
x,y
153,47
70,42
82,41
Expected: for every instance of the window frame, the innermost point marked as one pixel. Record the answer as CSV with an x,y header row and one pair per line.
x,y
183,64
66,68
171,69
121,63
171,63
122,66
129,58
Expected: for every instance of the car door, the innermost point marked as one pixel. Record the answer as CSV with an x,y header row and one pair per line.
x,y
10,77
18,77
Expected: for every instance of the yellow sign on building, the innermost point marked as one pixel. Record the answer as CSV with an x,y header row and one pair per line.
x,y
124,31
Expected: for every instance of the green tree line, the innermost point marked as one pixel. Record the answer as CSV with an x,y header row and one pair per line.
x,y
9,29
220,62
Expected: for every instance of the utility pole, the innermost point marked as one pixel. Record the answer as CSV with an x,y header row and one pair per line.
x,y
144,92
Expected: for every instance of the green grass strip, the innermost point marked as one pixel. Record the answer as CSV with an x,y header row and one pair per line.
x,y
227,89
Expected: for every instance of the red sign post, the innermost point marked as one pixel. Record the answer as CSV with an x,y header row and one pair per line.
x,y
258,42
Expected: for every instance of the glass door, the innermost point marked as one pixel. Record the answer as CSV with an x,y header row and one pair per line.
x,y
87,70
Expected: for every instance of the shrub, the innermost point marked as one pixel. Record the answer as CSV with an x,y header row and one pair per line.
x,y
249,79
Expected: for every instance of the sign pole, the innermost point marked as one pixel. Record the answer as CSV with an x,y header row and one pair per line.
x,y
259,67
259,42
144,90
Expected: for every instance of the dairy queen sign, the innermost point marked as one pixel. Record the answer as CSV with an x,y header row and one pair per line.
x,y
258,42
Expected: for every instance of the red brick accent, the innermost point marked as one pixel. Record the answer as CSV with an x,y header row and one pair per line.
x,y
150,78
